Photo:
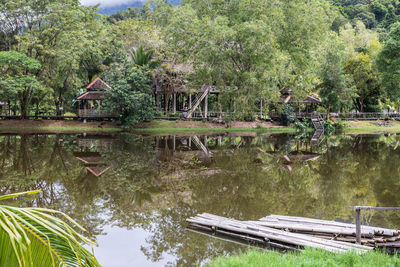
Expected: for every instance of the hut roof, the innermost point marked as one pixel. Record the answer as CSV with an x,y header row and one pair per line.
x,y
91,95
98,84
97,170
309,99
91,160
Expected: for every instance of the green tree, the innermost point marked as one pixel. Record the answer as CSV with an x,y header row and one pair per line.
x,y
334,88
388,62
66,34
362,69
18,80
131,96
249,50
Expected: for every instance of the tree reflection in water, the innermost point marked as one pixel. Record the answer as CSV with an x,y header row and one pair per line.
x,y
155,183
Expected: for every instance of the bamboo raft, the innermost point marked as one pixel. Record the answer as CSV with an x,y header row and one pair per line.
x,y
293,233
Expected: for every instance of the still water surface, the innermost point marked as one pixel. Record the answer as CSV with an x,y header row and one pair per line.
x,y
133,193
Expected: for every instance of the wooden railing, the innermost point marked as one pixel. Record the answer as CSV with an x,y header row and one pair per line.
x,y
92,113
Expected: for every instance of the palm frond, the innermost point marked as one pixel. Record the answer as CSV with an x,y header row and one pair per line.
x,y
35,237
142,58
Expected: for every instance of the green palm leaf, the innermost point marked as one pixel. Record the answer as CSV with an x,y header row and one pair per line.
x,y
142,58
35,237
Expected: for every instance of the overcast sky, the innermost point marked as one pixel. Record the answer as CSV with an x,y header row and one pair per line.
x,y
108,3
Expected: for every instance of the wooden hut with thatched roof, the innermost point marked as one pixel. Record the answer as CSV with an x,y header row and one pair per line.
x,y
90,101
310,103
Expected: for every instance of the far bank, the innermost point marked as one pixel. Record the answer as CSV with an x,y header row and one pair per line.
x,y
161,127
57,126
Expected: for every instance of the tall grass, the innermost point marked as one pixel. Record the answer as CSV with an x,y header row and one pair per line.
x,y
309,257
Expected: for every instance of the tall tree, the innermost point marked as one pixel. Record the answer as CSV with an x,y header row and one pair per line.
x,y
131,96
363,71
388,62
59,41
334,88
17,79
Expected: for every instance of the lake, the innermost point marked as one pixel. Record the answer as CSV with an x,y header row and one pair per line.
x,y
133,193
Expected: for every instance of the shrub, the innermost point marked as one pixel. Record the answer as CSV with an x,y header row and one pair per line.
x,y
303,126
329,127
287,115
339,125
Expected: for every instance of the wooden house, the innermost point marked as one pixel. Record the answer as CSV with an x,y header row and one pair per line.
x,y
90,101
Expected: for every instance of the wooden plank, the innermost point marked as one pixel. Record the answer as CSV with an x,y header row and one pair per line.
x,y
274,234
246,223
371,229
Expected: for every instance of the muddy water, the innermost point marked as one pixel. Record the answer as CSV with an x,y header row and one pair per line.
x,y
134,192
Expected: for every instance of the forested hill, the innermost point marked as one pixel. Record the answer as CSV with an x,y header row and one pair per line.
x,y
109,10
373,13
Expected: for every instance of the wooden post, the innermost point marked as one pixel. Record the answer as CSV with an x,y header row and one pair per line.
x,y
219,140
358,226
158,101
174,143
190,142
190,101
206,107
174,102
261,108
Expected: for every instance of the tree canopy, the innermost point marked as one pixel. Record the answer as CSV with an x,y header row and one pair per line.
x,y
249,51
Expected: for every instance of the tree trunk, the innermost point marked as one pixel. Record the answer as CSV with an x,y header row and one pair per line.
x,y
329,110
60,102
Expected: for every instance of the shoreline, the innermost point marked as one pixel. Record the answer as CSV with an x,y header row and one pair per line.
x,y
162,127
62,126
159,127
372,127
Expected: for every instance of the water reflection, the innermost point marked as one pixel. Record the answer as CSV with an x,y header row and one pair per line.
x,y
148,186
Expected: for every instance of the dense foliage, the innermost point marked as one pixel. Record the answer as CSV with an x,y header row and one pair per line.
x,y
344,50
130,96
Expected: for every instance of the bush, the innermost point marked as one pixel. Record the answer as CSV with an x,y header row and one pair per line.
x,y
287,115
304,125
131,96
339,125
174,115
329,127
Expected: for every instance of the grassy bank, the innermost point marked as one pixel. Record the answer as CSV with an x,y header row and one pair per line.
x,y
371,127
175,127
309,257
30,126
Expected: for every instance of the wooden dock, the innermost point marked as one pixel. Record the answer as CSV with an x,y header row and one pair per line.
x,y
293,233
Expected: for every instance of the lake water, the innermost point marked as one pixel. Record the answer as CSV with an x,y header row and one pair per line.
x,y
133,193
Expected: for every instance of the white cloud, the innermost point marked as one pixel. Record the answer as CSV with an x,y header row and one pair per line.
x,y
108,3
